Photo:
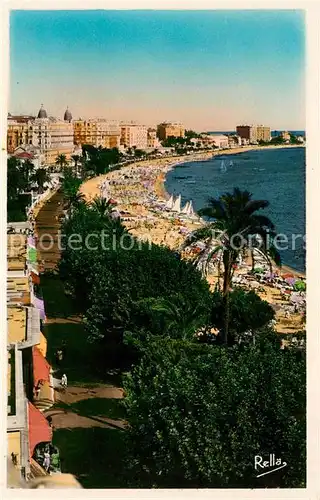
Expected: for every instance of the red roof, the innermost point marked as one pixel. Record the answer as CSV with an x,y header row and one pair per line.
x,y
39,428
24,155
41,367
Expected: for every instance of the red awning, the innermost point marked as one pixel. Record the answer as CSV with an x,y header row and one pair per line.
x,y
41,367
39,428
35,278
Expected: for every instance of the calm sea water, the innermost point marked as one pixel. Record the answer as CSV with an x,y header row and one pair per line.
x,y
276,175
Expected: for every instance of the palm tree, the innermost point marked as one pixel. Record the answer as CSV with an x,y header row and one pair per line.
x,y
74,200
234,226
40,177
177,316
61,160
102,206
27,169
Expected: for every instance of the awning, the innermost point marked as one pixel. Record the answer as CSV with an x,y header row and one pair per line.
x,y
39,304
41,367
31,242
35,278
43,345
39,428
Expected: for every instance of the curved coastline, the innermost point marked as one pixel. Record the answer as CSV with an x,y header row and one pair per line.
x,y
287,269
208,156
158,171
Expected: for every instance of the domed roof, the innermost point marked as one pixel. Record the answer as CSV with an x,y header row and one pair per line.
x,y
42,112
67,116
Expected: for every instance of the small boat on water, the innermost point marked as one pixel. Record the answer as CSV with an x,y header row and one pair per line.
x,y
223,167
231,163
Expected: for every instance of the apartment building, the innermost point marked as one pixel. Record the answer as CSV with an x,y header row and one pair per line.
x,y
134,135
152,139
254,133
170,129
29,375
97,132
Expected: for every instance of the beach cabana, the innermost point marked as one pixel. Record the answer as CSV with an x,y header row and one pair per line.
x,y
177,204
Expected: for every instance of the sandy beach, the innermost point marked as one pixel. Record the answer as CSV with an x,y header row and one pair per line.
x,y
139,192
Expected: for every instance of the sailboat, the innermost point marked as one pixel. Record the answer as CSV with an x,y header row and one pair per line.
x,y
177,204
223,167
185,209
169,203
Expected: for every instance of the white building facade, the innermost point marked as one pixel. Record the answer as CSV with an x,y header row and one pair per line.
x,y
134,135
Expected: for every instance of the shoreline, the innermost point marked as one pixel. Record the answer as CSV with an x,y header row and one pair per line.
x,y
158,169
162,192
208,155
139,192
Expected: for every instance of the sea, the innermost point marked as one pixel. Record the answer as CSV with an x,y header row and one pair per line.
x,y
276,175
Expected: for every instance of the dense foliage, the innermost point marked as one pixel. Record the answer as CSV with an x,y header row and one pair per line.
x,y
98,161
123,285
129,288
248,312
199,414
235,224
22,178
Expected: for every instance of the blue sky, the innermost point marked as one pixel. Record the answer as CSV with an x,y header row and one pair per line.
x,y
211,70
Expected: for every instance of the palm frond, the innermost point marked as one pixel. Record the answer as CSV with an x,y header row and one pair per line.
x,y
255,205
202,233
262,220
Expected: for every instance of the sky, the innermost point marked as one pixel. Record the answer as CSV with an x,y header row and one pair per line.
x,y
210,70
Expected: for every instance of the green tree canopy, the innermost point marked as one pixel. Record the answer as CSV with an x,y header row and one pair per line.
x,y
248,312
198,415
126,282
235,224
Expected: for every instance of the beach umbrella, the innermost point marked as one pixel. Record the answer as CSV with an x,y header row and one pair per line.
x,y
254,284
200,245
287,275
296,298
269,275
115,214
290,281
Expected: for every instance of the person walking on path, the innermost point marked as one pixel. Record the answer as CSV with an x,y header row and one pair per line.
x,y
64,381
46,461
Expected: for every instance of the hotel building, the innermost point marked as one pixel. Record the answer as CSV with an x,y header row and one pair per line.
x,y
254,133
49,135
152,139
19,133
134,135
169,129
97,132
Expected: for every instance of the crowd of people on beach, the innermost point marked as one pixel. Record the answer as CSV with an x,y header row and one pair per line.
x,y
142,203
